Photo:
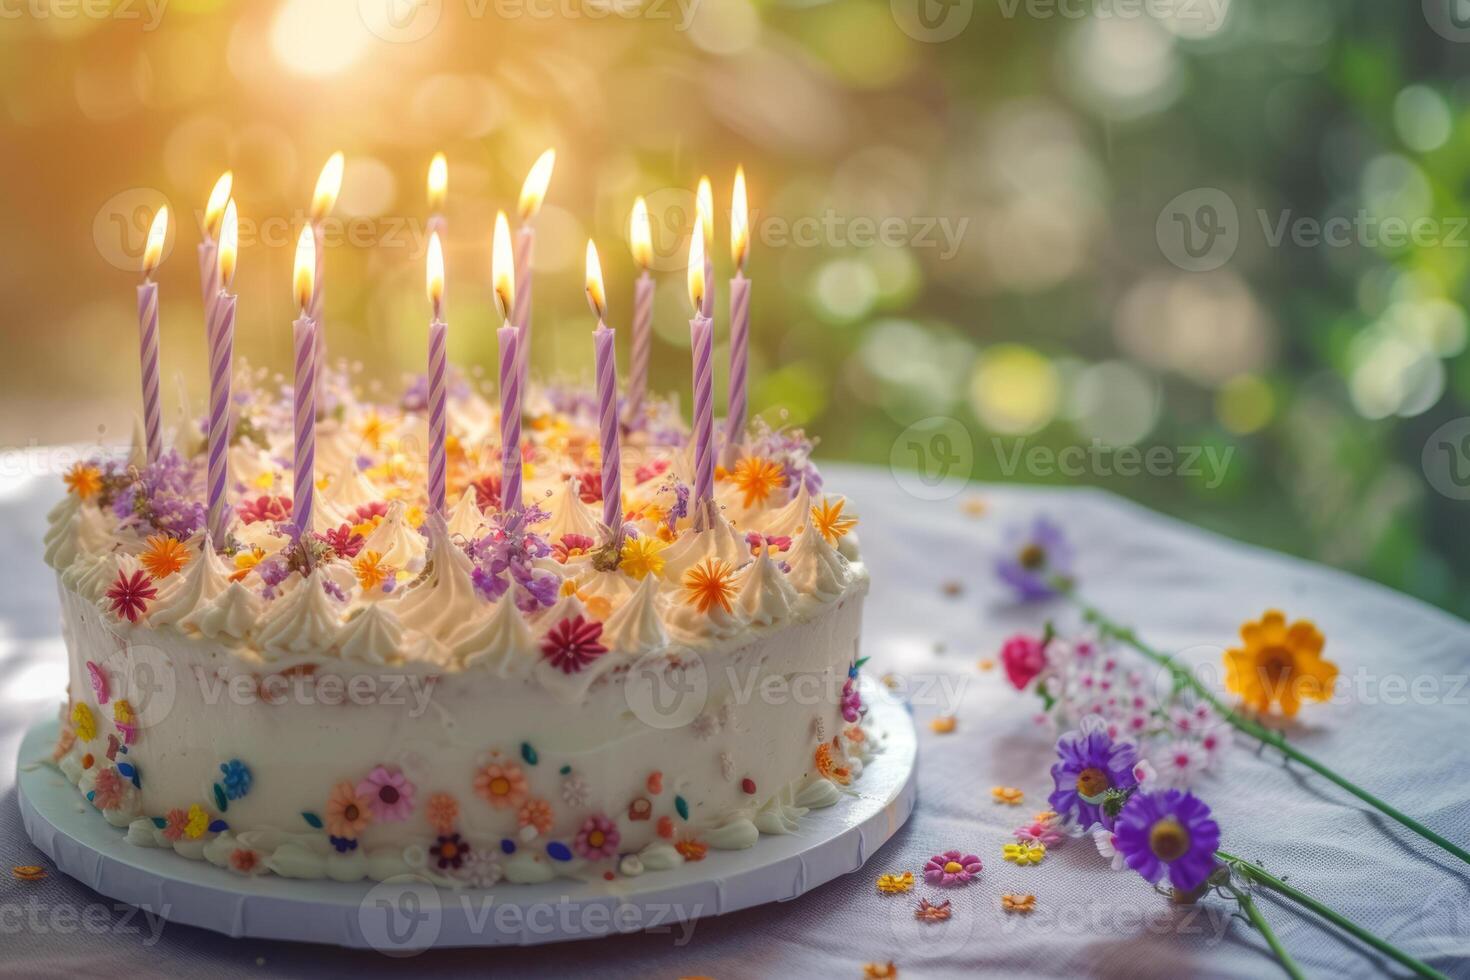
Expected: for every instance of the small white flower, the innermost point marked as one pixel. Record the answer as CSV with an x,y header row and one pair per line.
x,y
481,869
1108,849
1180,762
574,790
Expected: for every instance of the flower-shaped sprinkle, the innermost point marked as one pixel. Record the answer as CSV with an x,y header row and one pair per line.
x,y
951,868
1009,795
175,824
348,812
442,811
535,813
389,794
481,869
880,971
598,838
572,546
236,778
691,849
107,792
502,785
196,823
572,644
1024,854
84,722
450,851
83,480
246,861
895,884
130,594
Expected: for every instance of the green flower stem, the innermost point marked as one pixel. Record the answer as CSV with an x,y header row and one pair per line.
x,y
1182,678
1263,877
1248,906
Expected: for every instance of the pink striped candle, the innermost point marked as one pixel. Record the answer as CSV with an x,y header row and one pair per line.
x,y
221,337
438,361
304,333
148,335
738,409
606,360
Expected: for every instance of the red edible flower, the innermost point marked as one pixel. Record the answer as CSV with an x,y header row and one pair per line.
x,y
589,486
1024,658
344,541
487,492
648,471
265,508
571,546
573,643
130,595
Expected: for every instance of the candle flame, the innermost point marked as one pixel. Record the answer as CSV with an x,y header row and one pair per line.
x,y
595,294
328,186
218,198
229,245
304,279
533,191
438,182
696,265
157,234
704,202
434,281
642,234
739,221
503,268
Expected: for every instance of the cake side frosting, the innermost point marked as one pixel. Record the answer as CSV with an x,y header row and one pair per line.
x,y
491,695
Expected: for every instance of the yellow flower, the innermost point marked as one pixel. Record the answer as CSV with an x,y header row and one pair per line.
x,y
164,555
943,725
827,518
370,570
372,430
710,583
642,556
245,561
83,480
757,478
1018,903
83,721
891,884
1009,795
1279,663
366,528
415,515
1024,854
122,712
197,823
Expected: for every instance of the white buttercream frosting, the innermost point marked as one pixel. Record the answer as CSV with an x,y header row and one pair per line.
x,y
304,621
817,569
465,518
204,578
399,545
569,515
502,642
766,598
720,540
231,615
372,635
636,627
792,516
445,599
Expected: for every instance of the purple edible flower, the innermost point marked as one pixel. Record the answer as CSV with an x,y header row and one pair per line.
x,y
503,557
1170,832
166,495
1034,558
1088,765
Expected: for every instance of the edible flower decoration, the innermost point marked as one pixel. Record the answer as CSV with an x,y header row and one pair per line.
x,y
708,584
757,478
1168,833
1279,664
1024,854
442,811
164,556
348,812
827,518
83,721
373,573
573,644
389,794
1036,558
641,557
502,785
929,912
572,546
84,480
130,594
895,884
266,507
598,838
1018,903
450,851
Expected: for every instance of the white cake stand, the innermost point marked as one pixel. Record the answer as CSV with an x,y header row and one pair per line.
x,y
406,915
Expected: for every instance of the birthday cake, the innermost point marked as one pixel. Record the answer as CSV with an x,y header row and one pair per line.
x,y
492,694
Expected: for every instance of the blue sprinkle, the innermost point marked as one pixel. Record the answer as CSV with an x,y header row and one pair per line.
x,y
160,823
508,846
218,827
559,851
529,754
312,819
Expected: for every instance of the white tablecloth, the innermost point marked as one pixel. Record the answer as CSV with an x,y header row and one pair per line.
x,y
1184,589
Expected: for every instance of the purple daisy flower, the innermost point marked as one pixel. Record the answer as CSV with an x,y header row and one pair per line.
x,y
1168,832
951,868
1035,556
1088,765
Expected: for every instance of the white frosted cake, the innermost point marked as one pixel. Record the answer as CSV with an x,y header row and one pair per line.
x,y
489,697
